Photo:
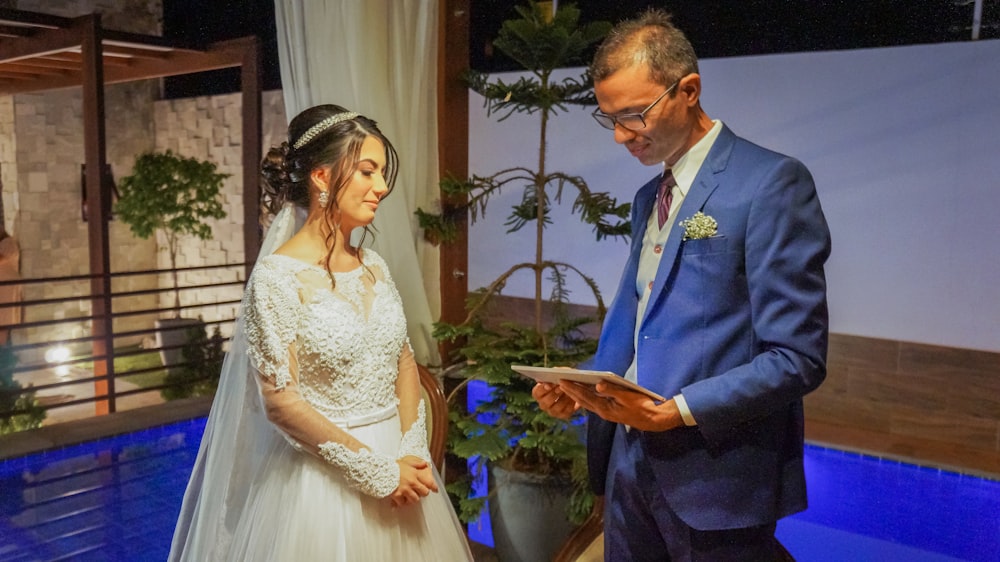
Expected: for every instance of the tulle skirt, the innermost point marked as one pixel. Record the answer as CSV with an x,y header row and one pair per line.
x,y
301,508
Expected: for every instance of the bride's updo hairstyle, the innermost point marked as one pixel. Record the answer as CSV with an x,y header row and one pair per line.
x,y
324,135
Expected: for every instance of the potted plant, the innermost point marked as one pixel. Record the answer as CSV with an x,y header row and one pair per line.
x,y
175,196
507,430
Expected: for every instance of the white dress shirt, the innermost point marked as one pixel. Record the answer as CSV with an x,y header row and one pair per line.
x,y
684,171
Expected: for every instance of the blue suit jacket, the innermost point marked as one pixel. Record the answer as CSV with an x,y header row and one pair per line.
x,y
738,324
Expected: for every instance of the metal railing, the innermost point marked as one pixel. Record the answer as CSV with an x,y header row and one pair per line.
x,y
64,356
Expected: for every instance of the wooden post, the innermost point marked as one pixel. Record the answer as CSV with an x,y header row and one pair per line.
x,y
250,79
453,154
98,210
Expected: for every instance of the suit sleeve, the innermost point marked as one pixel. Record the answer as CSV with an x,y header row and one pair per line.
x,y
787,244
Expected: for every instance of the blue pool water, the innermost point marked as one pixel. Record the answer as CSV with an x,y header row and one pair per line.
x,y
110,500
117,499
865,508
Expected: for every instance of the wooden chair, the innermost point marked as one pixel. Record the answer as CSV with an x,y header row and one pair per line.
x,y
437,415
586,543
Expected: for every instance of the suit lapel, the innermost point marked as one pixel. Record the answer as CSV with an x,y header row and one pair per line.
x,y
644,201
704,184
642,206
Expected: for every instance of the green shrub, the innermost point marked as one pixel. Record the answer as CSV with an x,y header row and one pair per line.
x,y
12,399
202,364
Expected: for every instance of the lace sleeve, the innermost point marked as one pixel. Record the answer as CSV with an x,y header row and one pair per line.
x,y
414,441
311,432
412,410
270,309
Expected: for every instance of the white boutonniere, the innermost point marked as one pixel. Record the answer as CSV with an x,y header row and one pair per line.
x,y
699,226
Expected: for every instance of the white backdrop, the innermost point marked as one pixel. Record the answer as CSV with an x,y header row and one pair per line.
x,y
378,58
904,144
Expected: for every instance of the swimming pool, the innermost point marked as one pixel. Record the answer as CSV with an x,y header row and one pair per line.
x,y
114,500
117,499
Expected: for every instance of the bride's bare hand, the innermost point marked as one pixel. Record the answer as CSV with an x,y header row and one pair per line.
x,y
416,480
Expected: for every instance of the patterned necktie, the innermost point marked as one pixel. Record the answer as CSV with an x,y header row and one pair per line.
x,y
664,196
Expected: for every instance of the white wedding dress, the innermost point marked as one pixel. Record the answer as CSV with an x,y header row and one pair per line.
x,y
275,478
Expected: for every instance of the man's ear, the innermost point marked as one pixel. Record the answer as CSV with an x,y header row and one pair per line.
x,y
690,88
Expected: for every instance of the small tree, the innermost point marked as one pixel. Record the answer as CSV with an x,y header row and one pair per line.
x,y
508,428
174,194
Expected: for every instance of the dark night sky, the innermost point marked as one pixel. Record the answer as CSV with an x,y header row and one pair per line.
x,y
206,21
718,28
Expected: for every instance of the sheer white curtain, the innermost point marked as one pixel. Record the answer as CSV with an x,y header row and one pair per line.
x,y
379,58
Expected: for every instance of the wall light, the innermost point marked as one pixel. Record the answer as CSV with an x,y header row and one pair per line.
x,y
57,355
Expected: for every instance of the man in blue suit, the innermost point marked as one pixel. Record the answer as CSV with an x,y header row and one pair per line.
x,y
721,309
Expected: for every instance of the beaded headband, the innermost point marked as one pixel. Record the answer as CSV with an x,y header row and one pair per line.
x,y
322,126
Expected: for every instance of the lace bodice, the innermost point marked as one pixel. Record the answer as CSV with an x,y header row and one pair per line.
x,y
346,339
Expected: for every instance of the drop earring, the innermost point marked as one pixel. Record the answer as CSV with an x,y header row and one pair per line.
x,y
324,198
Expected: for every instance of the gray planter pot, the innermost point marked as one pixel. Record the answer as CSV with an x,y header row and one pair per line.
x,y
528,516
171,333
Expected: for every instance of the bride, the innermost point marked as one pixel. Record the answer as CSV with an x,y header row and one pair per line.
x,y
316,446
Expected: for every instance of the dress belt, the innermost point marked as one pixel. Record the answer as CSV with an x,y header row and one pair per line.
x,y
367,419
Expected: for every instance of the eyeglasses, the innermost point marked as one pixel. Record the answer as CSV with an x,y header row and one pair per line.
x,y
630,121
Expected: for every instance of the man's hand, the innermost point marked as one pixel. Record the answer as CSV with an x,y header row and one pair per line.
x,y
416,480
553,402
620,405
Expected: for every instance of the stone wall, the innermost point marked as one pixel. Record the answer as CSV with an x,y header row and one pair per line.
x,y
41,148
41,153
48,221
210,127
8,161
134,16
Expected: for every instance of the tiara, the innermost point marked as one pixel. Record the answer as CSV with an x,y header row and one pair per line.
x,y
322,126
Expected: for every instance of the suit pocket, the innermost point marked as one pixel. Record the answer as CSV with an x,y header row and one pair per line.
x,y
705,246
712,277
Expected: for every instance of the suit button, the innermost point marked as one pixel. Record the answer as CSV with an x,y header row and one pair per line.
x,y
650,286
657,249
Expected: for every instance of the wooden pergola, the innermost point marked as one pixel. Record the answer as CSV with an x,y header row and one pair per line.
x,y
43,52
